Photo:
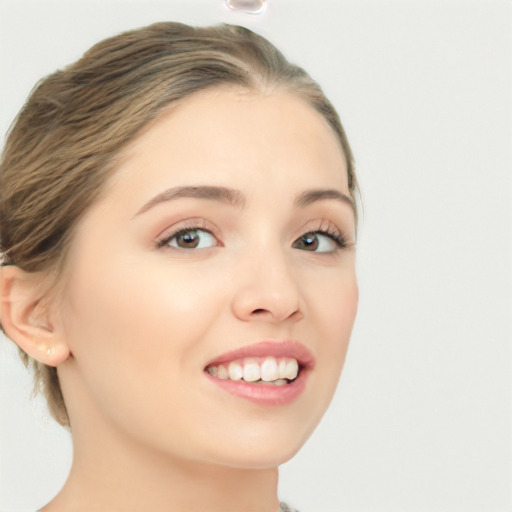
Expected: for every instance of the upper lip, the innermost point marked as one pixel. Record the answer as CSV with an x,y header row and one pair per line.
x,y
286,348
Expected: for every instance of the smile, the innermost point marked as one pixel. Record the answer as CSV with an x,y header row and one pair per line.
x,y
267,373
263,370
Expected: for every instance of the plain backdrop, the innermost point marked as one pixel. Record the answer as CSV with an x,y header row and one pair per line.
x,y
422,418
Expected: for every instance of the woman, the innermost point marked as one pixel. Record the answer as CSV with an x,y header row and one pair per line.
x,y
178,265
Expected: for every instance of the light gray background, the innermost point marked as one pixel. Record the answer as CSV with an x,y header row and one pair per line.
x,y
421,420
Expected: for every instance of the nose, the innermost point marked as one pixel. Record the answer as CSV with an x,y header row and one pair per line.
x,y
267,290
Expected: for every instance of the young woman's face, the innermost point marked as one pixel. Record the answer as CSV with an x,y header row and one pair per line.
x,y
223,246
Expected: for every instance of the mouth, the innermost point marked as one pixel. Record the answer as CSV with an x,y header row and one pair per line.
x,y
268,373
267,370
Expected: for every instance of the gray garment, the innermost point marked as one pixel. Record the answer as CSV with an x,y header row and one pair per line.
x,y
283,507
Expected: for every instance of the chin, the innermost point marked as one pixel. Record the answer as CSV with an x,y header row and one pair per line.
x,y
263,448
261,459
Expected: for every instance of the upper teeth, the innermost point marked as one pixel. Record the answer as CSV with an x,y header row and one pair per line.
x,y
252,369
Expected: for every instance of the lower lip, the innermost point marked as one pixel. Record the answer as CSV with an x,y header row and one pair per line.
x,y
263,394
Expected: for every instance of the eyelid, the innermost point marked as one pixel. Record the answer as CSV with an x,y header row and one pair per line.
x,y
186,225
327,227
323,226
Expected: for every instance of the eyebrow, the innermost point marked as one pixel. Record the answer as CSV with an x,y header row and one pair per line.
x,y
311,196
237,199
220,194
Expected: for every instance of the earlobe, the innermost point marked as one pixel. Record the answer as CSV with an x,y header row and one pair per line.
x,y
27,320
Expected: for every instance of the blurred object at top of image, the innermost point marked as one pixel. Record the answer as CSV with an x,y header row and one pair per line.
x,y
247,6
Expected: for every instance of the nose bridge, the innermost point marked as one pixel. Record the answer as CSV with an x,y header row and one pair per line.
x,y
274,272
267,287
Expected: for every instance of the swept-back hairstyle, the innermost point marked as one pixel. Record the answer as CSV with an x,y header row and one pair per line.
x,y
63,144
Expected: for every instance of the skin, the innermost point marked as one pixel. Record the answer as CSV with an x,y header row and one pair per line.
x,y
139,322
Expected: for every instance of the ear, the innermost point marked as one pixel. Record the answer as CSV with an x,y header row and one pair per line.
x,y
27,319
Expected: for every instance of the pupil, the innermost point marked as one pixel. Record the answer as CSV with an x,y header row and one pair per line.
x,y
310,241
190,239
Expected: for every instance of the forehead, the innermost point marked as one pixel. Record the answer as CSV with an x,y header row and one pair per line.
x,y
242,138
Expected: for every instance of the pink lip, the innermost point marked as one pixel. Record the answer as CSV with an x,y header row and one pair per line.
x,y
270,348
267,394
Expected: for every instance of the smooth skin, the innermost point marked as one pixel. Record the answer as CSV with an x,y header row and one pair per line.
x,y
143,312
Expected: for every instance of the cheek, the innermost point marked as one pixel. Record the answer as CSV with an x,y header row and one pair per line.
x,y
335,304
136,335
333,311
144,324
125,301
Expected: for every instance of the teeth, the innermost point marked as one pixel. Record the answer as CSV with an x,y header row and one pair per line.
x,y
276,371
222,372
251,371
269,370
282,369
292,369
235,371
279,382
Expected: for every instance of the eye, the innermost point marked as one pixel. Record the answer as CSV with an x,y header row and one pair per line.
x,y
191,239
319,242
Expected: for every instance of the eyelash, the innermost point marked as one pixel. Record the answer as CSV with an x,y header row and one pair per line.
x,y
325,228
333,234
197,226
329,230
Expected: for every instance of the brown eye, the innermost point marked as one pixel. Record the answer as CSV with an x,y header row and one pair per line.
x,y
307,242
318,242
188,240
192,239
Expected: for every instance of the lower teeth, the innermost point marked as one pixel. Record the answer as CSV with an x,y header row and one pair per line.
x,y
278,382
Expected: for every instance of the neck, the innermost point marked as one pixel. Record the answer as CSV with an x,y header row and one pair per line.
x,y
113,471
115,477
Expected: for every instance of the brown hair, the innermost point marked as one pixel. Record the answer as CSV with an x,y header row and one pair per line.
x,y
63,144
